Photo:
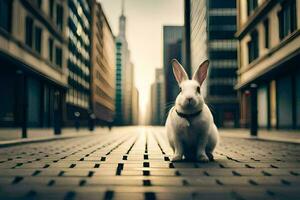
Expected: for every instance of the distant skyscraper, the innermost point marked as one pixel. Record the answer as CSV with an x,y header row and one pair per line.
x,y
172,48
124,76
79,61
157,99
212,27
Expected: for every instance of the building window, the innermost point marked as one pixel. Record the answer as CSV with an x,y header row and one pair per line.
x,y
51,6
58,56
5,14
50,49
251,6
253,50
266,28
287,17
29,33
59,16
38,39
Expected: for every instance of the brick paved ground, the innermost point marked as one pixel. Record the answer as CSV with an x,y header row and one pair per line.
x,y
134,163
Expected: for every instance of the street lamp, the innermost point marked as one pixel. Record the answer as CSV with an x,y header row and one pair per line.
x,y
77,115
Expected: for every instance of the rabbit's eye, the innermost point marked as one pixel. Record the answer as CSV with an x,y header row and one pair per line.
x,y
180,89
198,89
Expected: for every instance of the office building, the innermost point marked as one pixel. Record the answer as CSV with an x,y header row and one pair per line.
x,y
102,66
269,55
33,59
79,61
212,24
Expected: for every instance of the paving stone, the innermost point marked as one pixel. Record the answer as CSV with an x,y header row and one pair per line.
x,y
134,163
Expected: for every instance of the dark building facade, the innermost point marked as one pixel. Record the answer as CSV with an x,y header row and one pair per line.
x,y
212,26
33,63
79,62
172,49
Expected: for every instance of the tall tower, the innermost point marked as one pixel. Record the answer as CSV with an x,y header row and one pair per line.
x,y
124,76
122,23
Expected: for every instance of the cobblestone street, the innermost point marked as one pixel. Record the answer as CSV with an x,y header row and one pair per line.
x,y
134,163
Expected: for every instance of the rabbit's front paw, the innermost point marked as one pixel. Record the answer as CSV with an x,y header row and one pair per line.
x,y
176,158
210,156
203,158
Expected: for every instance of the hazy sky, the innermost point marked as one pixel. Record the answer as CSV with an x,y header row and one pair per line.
x,y
145,19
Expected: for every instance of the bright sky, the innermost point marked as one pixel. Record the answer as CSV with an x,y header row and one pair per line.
x,y
145,19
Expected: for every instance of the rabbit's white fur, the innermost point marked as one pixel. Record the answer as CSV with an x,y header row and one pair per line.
x,y
193,137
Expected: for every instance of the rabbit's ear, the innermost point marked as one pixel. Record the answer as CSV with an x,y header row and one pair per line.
x,y
201,72
179,71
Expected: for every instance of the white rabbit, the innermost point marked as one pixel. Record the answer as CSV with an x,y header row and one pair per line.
x,y
190,126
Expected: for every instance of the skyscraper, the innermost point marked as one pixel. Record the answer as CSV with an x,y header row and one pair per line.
x,y
79,60
124,76
212,27
172,49
103,66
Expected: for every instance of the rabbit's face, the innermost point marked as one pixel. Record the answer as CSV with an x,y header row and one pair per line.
x,y
189,99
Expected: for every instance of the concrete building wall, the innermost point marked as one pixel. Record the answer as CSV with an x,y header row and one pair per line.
x,y
33,73
274,65
103,66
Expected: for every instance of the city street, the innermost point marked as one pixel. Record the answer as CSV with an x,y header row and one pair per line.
x,y
134,163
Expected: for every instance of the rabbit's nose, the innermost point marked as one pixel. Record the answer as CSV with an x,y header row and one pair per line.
x,y
189,99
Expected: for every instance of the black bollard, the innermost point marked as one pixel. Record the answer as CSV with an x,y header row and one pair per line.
x,y
92,118
254,120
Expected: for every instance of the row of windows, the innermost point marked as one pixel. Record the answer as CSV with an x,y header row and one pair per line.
x,y
77,98
33,39
56,16
223,44
76,61
79,30
287,25
79,80
79,47
223,63
81,13
223,12
99,92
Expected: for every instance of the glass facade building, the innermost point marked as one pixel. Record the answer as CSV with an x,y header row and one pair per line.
x,y
79,33
213,25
